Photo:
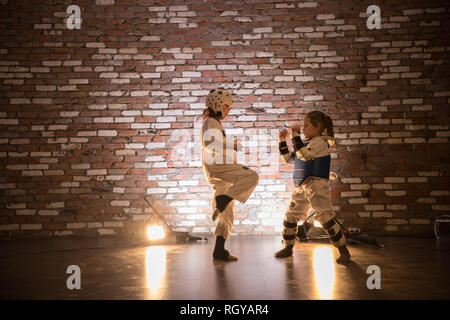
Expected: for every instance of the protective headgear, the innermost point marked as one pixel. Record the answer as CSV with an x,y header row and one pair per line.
x,y
216,100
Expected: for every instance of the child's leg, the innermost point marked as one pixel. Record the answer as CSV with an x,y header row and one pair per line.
x,y
297,210
242,180
224,225
321,203
226,222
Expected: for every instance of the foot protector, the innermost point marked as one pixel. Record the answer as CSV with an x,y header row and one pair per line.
x,y
344,255
285,252
224,256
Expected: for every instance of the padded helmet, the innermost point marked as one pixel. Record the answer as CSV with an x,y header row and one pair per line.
x,y
216,100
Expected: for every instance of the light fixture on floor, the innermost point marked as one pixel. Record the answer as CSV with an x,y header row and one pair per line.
x,y
179,235
155,232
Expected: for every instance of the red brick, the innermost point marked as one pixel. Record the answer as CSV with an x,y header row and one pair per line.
x,y
346,101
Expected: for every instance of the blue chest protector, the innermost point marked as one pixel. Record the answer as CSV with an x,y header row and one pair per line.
x,y
319,167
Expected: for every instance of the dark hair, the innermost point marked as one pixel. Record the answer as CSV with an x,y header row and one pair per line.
x,y
319,119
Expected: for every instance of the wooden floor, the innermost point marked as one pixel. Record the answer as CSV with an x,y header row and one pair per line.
x,y
119,269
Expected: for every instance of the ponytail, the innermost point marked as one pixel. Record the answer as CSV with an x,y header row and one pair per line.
x,y
329,126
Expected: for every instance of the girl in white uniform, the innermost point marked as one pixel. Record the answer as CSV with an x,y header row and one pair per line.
x,y
311,173
229,180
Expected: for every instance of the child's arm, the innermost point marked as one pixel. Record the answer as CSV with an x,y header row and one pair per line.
x,y
283,147
211,132
303,153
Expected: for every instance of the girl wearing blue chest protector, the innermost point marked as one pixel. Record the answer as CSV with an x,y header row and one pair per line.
x,y
311,173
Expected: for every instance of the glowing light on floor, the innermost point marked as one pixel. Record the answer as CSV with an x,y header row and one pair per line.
x,y
316,223
324,271
155,232
155,268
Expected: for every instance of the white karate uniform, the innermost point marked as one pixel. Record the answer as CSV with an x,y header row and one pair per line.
x,y
313,193
224,174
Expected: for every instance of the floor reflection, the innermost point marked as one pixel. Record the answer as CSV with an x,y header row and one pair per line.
x,y
222,283
135,270
155,269
324,273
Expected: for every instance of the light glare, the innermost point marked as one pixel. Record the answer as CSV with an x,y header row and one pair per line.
x,y
155,232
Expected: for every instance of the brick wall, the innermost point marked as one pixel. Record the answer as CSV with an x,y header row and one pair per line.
x,y
92,119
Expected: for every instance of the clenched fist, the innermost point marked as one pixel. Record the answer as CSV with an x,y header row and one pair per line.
x,y
282,134
295,128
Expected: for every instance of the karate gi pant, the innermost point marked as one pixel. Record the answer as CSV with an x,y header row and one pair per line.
x,y
312,193
234,180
